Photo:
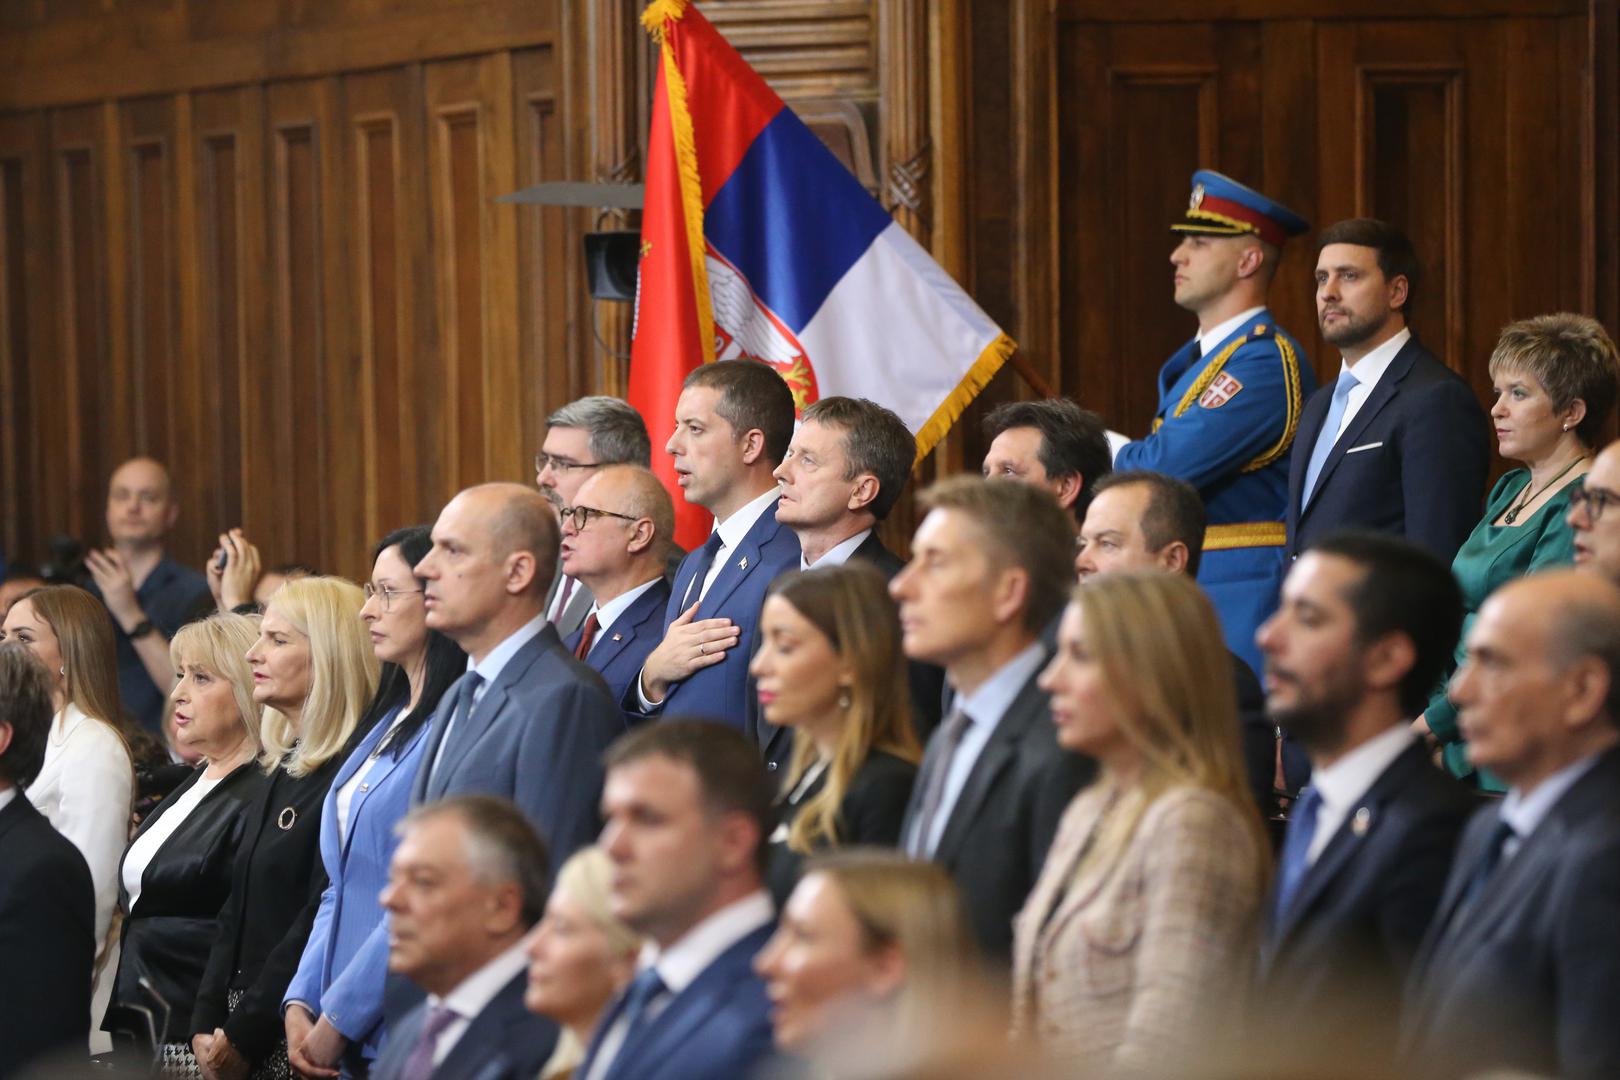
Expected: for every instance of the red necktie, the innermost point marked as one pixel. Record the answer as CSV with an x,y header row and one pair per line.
x,y
587,634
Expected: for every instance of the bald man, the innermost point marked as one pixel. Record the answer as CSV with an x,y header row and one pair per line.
x,y
528,721
614,538
1521,967
148,594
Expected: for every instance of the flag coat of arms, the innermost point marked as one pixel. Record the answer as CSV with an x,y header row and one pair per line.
x,y
758,243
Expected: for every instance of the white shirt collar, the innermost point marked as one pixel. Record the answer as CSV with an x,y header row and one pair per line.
x,y
1370,368
839,553
993,697
1525,812
1221,331
735,527
490,667
6,796
474,993
607,614
680,964
1342,784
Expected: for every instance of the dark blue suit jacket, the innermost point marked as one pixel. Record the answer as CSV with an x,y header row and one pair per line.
x,y
1526,976
1333,966
720,691
504,1042
620,650
718,1027
1413,461
536,737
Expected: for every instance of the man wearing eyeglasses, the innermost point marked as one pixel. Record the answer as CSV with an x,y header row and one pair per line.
x,y
613,540
1594,517
582,437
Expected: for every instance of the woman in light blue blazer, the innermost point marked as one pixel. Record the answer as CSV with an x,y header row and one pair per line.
x,y
333,1007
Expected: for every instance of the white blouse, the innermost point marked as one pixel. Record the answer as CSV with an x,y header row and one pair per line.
x,y
150,842
85,789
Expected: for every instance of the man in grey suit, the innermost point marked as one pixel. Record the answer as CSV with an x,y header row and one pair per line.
x,y
990,566
1521,966
468,880
581,437
528,721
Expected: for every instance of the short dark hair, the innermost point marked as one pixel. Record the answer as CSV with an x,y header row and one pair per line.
x,y
26,708
616,433
876,441
502,846
1175,511
1074,441
752,395
731,777
1024,527
1396,256
1404,589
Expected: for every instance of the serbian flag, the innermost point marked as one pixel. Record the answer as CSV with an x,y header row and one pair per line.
x,y
756,242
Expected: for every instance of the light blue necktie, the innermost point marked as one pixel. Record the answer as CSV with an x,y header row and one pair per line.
x,y
1328,435
1294,862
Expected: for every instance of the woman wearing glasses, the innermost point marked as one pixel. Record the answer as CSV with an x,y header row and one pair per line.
x,y
1556,381
333,1007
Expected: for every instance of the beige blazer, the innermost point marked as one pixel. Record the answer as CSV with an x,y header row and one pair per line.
x,y
1136,963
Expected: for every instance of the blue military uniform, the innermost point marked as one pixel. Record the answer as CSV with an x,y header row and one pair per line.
x,y
1226,423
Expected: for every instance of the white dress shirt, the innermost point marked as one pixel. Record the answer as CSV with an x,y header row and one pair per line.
x,y
1525,812
839,553
351,786
146,846
474,993
6,796
680,964
1207,341
984,707
1342,784
607,614
85,790
1366,371
489,668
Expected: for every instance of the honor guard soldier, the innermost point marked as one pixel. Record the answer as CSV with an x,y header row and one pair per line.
x,y
1229,400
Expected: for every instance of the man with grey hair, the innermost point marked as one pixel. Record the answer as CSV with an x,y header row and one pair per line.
x,y
466,883
582,436
1521,965
614,538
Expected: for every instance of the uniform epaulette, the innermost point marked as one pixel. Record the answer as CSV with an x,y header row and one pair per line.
x,y
1260,330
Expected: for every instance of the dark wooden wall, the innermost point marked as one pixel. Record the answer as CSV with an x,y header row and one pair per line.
x,y
259,240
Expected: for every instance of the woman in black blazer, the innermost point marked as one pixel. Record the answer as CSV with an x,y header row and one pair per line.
x,y
829,666
314,672
176,873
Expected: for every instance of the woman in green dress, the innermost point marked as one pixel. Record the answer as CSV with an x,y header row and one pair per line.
x,y
1556,378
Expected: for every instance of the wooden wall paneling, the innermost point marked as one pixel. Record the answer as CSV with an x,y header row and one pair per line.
x,y
233,287
388,238
1600,160
27,329
470,107
71,396
191,435
1288,171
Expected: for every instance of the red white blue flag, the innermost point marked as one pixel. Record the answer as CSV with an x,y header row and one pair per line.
x,y
758,242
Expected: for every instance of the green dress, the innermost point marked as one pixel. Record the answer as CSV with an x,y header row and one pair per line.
x,y
1492,556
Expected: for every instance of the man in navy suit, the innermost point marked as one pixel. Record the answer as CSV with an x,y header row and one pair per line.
x,y
990,566
733,421
1521,968
1366,625
844,471
688,808
47,904
1399,444
1054,443
614,537
527,722
584,435
468,880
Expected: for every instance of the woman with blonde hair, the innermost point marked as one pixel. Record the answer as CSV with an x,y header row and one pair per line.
x,y
313,674
580,958
87,784
176,875
829,666
873,967
1132,948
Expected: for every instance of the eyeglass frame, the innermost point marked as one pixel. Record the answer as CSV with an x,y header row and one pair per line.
x,y
1592,500
575,512
561,464
387,592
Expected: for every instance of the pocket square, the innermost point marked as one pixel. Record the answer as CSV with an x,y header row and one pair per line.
x,y
1365,446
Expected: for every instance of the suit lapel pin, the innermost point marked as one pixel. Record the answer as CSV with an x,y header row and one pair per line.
x,y
618,637
1361,822
742,563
